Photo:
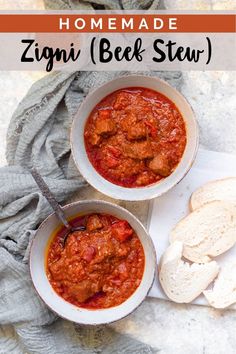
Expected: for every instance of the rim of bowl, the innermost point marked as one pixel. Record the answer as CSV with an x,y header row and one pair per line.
x,y
92,201
107,185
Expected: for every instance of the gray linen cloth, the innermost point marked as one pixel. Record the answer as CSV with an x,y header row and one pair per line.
x,y
38,136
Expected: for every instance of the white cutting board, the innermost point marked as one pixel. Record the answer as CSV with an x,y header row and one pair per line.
x,y
168,209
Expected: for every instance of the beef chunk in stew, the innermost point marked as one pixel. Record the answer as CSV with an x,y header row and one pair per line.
x,y
160,165
121,230
83,290
128,119
139,150
89,254
93,223
94,139
138,131
105,125
122,100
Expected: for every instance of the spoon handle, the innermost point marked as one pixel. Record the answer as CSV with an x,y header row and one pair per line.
x,y
50,197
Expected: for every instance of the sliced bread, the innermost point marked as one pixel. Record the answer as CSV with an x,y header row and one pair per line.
x,y
207,232
181,281
224,189
223,293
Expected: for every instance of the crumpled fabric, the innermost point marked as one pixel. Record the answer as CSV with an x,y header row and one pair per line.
x,y
38,136
101,4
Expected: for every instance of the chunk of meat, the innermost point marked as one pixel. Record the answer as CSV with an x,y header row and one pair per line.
x,y
121,230
105,127
89,254
104,124
107,251
160,165
138,131
139,150
84,290
123,100
129,119
94,139
93,223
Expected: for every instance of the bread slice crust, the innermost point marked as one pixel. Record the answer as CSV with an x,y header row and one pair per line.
x,y
221,190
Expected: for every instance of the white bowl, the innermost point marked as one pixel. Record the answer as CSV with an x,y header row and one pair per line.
x,y
141,193
66,309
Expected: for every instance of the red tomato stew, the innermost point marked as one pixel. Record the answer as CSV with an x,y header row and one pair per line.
x,y
100,266
135,137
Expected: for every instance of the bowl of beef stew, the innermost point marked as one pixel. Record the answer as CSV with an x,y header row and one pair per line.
x,y
102,272
134,137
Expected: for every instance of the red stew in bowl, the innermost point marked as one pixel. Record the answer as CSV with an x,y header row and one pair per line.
x,y
135,137
99,267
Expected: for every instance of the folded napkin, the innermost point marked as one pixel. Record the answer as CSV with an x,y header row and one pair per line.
x,y
38,136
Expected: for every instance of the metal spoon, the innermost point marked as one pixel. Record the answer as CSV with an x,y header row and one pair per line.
x,y
55,205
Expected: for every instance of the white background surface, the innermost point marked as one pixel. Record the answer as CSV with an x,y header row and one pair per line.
x,y
179,329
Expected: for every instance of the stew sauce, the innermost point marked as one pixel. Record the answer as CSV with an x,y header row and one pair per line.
x,y
135,137
99,267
